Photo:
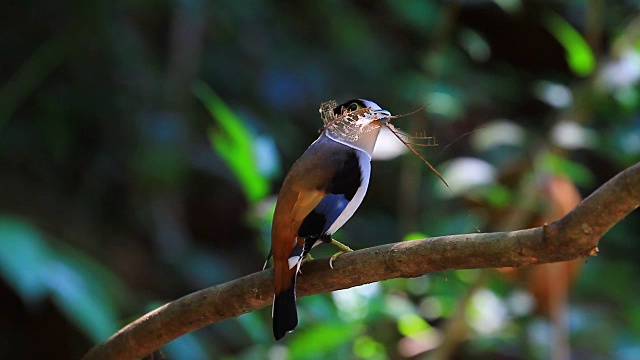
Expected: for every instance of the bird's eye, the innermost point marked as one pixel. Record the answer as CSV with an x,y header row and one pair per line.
x,y
353,107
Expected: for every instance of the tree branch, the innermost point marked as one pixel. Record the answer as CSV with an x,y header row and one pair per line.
x,y
574,236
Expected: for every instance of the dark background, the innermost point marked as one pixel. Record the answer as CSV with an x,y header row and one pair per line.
x,y
142,144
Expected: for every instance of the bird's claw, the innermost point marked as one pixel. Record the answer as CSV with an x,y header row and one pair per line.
x,y
306,258
343,249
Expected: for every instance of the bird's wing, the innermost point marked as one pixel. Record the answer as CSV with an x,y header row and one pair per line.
x,y
286,224
306,202
291,210
323,215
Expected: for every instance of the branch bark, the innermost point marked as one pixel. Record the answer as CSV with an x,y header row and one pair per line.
x,y
574,236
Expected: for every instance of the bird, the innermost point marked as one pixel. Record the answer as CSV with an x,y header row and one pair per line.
x,y
322,190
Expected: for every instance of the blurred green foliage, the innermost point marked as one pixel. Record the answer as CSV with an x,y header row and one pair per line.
x,y
234,143
580,58
142,144
84,291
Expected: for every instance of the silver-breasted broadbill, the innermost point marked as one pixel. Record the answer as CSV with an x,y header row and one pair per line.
x,y
320,193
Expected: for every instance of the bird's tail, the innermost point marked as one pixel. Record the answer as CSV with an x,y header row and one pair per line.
x,y
285,272
285,315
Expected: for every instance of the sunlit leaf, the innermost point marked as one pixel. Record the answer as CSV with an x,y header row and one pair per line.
x,y
579,55
234,142
415,235
411,324
367,348
468,276
24,259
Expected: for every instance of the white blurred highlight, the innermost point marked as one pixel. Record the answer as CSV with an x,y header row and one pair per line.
x,y
621,72
497,132
556,95
353,302
388,146
465,173
487,314
571,135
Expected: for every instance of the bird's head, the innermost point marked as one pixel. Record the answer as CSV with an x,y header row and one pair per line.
x,y
352,106
355,123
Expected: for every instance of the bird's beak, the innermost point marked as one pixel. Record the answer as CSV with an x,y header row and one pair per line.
x,y
383,115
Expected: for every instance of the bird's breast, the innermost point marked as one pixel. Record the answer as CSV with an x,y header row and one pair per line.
x,y
364,173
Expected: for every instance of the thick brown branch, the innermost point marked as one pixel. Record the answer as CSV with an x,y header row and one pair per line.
x,y
574,236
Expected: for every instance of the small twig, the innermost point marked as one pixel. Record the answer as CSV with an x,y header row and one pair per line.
x,y
395,133
411,113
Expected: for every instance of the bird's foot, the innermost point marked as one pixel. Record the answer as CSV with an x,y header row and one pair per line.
x,y
343,249
306,258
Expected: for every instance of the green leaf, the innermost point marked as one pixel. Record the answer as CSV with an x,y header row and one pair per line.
x,y
557,165
366,348
24,259
82,300
498,196
233,141
415,235
82,290
579,55
318,340
411,324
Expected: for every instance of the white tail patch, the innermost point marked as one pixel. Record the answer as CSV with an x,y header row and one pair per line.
x,y
294,260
